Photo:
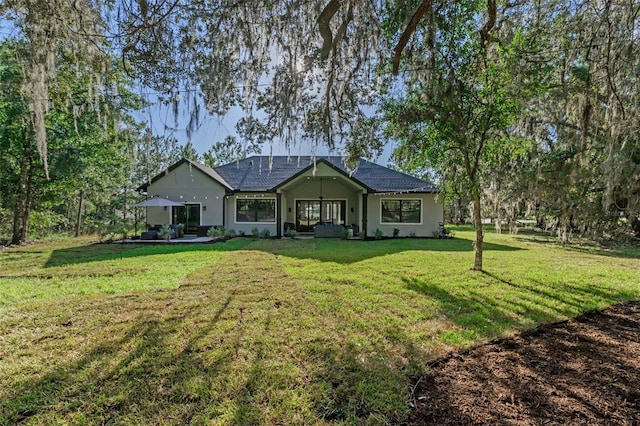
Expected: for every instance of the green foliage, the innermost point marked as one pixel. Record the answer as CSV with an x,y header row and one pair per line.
x,y
265,233
230,233
216,231
396,232
378,234
226,152
291,233
165,232
255,232
345,233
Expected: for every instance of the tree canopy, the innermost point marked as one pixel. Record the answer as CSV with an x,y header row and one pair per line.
x,y
540,96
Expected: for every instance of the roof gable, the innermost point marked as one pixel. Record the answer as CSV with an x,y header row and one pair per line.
x,y
207,171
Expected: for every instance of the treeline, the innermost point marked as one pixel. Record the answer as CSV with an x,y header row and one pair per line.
x,y
96,150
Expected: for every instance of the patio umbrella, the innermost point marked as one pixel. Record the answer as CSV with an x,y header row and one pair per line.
x,y
158,202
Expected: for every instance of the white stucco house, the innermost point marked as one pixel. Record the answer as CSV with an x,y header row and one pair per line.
x,y
281,192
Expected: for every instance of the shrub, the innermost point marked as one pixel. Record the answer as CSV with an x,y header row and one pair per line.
x,y
291,233
361,235
378,234
412,234
396,232
345,233
255,232
230,233
265,233
165,232
216,231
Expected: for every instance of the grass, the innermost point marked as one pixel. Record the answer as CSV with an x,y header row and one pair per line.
x,y
270,331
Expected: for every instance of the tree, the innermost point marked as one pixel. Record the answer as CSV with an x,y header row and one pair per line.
x,y
454,112
227,151
85,160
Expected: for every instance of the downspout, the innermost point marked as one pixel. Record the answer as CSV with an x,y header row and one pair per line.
x,y
364,214
279,215
224,210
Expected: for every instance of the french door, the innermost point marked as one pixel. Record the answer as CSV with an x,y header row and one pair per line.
x,y
189,214
309,213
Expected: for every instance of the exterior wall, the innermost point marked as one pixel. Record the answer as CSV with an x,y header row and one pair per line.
x,y
432,212
246,227
187,184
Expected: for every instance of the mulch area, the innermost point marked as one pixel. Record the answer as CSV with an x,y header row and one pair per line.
x,y
585,371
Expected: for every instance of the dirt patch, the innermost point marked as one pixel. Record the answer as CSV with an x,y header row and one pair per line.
x,y
585,371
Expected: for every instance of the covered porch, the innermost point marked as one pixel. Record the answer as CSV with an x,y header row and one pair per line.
x,y
323,198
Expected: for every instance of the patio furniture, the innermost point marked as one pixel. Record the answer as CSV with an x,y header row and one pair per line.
x,y
327,231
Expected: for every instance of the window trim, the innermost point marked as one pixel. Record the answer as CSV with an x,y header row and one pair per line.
x,y
235,209
382,200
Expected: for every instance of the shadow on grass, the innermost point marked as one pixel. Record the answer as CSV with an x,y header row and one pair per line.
x,y
139,375
104,251
487,314
325,250
165,370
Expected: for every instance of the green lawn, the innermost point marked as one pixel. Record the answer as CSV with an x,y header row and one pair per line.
x,y
270,331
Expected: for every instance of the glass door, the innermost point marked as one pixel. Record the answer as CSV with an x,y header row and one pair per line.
x,y
307,215
311,212
189,215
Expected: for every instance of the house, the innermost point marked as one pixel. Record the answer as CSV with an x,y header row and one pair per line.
x,y
280,192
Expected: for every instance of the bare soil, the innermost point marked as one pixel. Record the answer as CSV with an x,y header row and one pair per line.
x,y
585,371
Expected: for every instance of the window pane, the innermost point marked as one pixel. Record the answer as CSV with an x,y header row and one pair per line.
x,y
245,211
391,211
265,210
411,211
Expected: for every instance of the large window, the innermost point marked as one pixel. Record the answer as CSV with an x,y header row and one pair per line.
x,y
401,211
256,210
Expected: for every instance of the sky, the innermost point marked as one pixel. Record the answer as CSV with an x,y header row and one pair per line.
x,y
215,129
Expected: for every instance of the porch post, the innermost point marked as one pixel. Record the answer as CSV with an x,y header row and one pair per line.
x,y
279,215
364,214
224,210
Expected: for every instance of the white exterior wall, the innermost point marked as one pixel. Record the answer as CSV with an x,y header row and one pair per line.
x,y
432,212
246,227
187,184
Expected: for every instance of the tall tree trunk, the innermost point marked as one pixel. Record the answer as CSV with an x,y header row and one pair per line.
x,y
79,216
28,200
21,211
477,222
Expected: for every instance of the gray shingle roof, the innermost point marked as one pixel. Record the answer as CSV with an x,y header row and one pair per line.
x,y
264,173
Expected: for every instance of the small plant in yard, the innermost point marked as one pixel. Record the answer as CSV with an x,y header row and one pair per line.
x,y
291,233
265,234
180,230
216,232
345,233
165,232
378,234
230,233
361,235
412,234
435,233
255,232
396,232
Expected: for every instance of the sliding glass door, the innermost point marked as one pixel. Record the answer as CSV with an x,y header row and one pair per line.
x,y
189,215
311,212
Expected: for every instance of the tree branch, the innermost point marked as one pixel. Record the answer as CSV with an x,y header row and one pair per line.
x,y
488,26
408,31
324,24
